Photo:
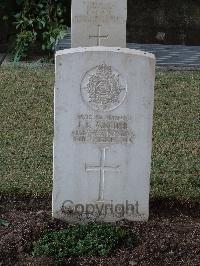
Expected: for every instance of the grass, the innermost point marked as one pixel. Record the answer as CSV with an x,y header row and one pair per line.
x,y
27,133
176,163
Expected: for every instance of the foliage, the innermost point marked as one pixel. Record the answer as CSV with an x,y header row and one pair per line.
x,y
39,20
4,223
79,240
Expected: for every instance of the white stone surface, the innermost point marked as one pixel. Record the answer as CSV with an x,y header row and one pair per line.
x,y
105,18
103,134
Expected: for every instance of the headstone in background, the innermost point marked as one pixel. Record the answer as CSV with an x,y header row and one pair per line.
x,y
99,23
103,134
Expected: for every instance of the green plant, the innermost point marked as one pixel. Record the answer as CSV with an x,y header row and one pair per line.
x,y
78,240
24,39
4,223
39,21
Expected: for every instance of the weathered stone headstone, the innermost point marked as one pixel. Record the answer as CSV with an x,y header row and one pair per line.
x,y
103,134
99,23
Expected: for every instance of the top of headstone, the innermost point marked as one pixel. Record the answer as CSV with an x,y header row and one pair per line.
x,y
99,23
103,49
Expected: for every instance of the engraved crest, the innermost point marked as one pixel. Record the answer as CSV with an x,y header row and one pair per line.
x,y
103,88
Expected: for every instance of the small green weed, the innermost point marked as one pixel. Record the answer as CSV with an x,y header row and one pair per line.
x,y
79,240
4,223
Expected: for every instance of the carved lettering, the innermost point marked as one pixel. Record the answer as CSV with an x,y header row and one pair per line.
x,y
102,129
98,13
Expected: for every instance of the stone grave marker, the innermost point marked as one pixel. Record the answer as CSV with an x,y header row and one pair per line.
x,y
99,23
103,134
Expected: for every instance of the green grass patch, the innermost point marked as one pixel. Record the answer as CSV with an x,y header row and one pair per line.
x,y
80,240
176,161
26,134
26,131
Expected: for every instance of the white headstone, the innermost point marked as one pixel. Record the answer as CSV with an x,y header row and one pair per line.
x,y
103,134
99,23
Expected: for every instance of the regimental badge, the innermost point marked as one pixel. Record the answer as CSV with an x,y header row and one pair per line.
x,y
103,88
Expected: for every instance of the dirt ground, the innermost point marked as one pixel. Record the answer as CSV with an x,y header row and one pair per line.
x,y
170,237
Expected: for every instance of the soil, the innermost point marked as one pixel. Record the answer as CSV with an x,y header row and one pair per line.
x,y
170,237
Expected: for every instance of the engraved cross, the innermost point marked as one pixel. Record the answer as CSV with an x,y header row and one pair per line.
x,y
102,168
99,36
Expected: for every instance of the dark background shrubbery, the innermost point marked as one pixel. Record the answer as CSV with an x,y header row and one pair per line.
x,y
25,23
164,21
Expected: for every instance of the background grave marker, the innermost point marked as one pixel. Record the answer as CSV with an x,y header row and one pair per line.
x,y
96,23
